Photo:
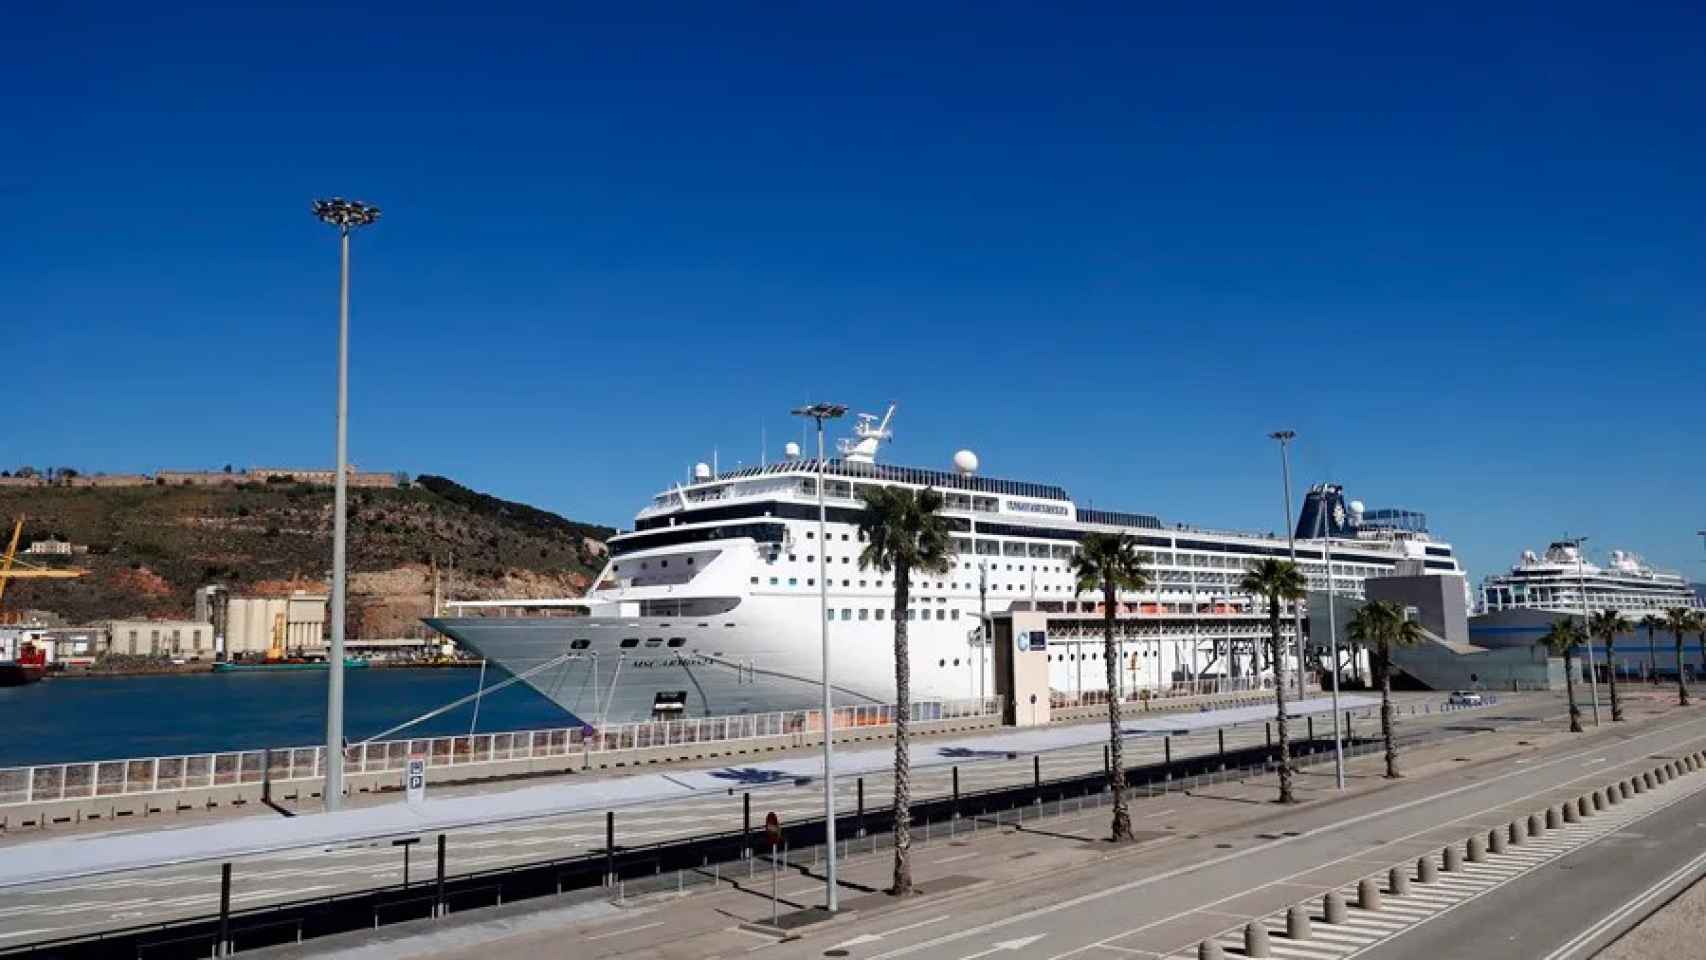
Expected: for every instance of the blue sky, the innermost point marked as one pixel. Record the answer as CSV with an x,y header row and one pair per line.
x,y
1458,249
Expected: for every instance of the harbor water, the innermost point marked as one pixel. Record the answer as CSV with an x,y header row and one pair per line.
x,y
107,718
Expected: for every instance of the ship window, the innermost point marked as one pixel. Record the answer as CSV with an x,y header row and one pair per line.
x,y
828,614
941,663
663,563
791,558
754,579
864,614
654,641
879,613
630,642
844,537
846,613
793,581
580,644
773,581
956,661
811,581
846,583
677,641
690,561
912,614
954,615
810,535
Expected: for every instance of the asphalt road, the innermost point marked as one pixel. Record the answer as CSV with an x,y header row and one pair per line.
x,y
1199,888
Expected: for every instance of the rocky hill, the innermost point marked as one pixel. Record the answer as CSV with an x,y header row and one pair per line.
x,y
149,548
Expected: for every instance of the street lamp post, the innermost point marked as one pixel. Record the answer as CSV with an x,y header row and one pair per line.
x,y
821,412
1587,626
346,215
1285,437
1333,655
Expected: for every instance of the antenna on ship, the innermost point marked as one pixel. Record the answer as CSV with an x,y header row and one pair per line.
x,y
868,435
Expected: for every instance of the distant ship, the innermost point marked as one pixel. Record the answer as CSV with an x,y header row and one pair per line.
x,y
1518,607
710,606
24,656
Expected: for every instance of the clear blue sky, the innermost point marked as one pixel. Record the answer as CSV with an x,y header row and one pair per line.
x,y
1459,250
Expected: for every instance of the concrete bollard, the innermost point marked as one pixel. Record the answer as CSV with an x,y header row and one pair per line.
x,y
1660,775
1612,798
1584,809
1554,818
1624,789
1647,780
1570,815
1256,940
1599,801
1333,907
1536,826
1297,923
1517,833
1397,882
1476,848
1495,841
1210,950
1453,860
1368,894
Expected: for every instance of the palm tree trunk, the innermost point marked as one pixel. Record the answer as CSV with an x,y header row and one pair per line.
x,y
1611,661
1652,655
1681,682
1386,710
902,748
1286,795
1570,689
1121,830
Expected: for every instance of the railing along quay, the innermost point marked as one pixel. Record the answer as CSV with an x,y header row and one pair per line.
x,y
48,783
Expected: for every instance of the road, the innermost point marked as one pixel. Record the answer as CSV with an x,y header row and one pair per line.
x,y
1199,888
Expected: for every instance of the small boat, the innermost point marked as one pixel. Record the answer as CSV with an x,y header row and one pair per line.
x,y
22,661
279,666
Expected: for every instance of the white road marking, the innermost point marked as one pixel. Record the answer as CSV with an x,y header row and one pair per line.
x,y
618,933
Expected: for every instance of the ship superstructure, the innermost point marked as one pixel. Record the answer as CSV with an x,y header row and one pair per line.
x,y
710,605
1563,580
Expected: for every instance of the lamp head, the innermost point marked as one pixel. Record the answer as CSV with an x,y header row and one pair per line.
x,y
345,214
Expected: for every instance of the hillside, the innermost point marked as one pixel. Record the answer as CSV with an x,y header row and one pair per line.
x,y
151,547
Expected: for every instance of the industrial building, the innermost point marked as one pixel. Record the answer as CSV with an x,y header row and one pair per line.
x,y
297,621
189,639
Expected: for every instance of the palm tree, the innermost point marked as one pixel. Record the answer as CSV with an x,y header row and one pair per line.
x,y
1562,640
1382,627
1606,625
1109,562
904,531
1652,622
1680,620
1279,581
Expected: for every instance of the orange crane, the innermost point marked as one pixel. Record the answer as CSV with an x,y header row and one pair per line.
x,y
11,568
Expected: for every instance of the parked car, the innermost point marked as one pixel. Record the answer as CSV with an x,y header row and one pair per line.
x,y
1465,698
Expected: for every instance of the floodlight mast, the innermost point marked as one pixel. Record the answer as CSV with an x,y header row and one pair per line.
x,y
346,215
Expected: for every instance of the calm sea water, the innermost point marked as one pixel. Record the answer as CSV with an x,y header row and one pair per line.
x,y
105,718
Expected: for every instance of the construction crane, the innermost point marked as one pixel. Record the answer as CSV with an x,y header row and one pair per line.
x,y
11,568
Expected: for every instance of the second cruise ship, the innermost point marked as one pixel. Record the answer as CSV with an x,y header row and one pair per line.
x,y
710,605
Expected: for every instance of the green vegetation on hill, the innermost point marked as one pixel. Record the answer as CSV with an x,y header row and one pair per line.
x,y
150,547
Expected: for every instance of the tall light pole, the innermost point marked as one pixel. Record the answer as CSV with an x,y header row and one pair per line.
x,y
1285,437
1587,625
346,215
1333,642
821,412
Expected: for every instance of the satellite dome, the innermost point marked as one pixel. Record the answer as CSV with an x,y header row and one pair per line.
x,y
791,450
965,462
701,471
1357,507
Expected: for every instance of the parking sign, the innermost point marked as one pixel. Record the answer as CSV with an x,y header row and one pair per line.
x,y
414,779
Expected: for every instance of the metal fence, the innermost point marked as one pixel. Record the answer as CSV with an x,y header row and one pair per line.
x,y
111,778
1060,700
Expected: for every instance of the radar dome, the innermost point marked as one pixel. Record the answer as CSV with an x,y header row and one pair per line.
x,y
791,450
1357,507
965,461
701,471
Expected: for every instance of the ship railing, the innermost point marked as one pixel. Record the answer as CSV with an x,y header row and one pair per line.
x,y
48,783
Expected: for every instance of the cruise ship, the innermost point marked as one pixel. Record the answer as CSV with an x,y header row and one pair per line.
x,y
1518,607
710,605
